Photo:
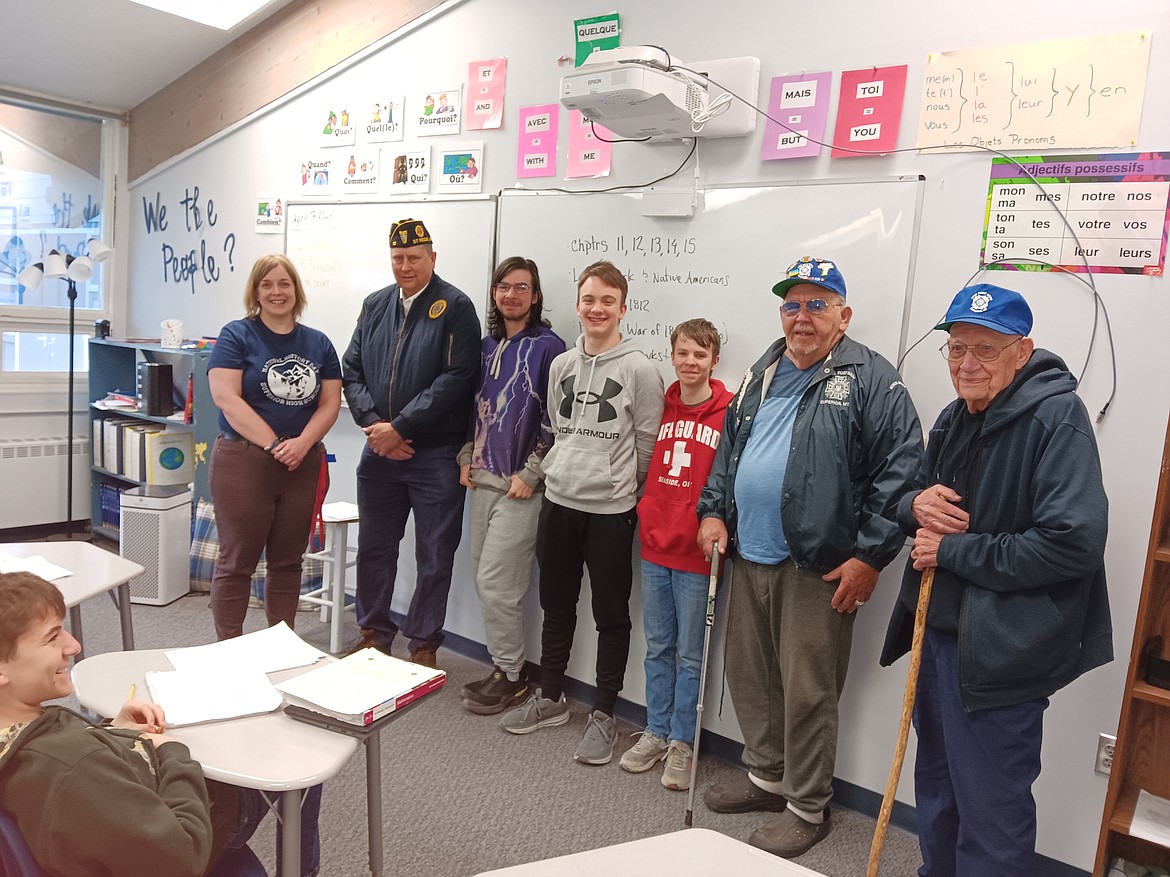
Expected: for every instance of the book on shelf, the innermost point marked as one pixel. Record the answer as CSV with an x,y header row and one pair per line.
x,y
170,457
361,688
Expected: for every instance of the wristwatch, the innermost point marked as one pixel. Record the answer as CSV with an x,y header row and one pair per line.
x,y
272,447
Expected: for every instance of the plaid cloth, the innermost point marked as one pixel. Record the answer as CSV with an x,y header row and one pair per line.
x,y
205,548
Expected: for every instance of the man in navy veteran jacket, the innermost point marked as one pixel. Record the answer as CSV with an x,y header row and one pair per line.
x,y
1014,522
409,375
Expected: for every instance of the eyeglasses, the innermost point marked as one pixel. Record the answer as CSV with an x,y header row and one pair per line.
x,y
954,351
505,288
813,306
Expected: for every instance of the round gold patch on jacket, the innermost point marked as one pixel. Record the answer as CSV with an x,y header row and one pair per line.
x,y
437,309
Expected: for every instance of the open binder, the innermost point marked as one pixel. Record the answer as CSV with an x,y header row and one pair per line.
x,y
361,688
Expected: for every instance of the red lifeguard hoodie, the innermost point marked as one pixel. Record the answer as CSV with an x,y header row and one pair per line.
x,y
683,454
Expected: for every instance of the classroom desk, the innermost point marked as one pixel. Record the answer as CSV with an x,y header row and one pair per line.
x,y
94,571
692,852
270,752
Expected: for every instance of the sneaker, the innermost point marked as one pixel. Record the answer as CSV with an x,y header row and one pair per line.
x,y
643,755
790,836
496,694
472,688
596,746
537,712
677,773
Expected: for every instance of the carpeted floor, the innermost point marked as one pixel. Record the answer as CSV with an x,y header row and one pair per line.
x,y
460,796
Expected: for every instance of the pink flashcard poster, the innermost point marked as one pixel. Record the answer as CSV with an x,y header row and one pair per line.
x,y
869,111
536,153
800,105
485,94
588,156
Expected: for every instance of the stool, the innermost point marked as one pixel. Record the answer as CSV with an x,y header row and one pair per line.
x,y
335,558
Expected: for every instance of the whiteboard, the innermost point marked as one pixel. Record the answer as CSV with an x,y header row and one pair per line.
x,y
342,253
722,262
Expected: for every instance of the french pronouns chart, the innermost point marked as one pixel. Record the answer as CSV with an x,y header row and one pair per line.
x,y
1114,209
1063,94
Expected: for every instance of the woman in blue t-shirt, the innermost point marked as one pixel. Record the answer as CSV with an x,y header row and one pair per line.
x,y
277,384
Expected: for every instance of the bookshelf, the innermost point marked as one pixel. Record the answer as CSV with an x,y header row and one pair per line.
x,y
1141,758
113,366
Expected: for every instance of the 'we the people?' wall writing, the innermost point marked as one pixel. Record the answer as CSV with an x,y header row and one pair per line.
x,y
201,254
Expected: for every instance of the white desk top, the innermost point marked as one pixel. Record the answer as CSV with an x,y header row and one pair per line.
x,y
94,569
270,752
692,852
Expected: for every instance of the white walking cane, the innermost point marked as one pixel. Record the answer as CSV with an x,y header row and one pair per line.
x,y
703,679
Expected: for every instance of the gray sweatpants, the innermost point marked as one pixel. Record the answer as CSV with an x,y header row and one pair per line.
x,y
787,655
503,546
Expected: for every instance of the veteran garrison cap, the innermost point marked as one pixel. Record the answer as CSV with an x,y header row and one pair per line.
x,y
409,233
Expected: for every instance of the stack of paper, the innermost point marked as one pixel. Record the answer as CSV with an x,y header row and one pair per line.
x,y
192,696
362,687
266,651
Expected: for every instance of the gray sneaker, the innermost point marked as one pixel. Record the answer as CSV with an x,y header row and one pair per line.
x,y
596,746
537,712
643,755
677,773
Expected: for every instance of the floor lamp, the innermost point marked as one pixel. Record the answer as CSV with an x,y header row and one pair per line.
x,y
72,269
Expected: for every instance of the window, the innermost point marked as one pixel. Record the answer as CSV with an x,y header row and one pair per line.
x,y
51,193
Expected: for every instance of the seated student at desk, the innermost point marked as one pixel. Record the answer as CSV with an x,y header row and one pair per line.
x,y
122,799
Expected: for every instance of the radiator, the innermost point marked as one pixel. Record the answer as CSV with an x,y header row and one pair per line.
x,y
32,480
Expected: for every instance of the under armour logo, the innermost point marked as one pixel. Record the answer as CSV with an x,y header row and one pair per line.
x,y
678,458
605,411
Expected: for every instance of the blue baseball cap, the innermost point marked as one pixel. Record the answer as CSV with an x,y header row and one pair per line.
x,y
806,269
985,304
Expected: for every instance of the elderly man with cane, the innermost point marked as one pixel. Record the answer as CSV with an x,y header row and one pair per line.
x,y
1013,523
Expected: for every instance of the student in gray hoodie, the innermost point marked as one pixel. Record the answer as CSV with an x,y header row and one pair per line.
x,y
605,400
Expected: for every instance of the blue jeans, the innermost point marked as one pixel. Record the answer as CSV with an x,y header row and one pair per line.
x,y
253,809
674,611
973,775
388,491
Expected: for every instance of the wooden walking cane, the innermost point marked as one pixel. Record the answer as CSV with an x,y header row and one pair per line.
x,y
883,823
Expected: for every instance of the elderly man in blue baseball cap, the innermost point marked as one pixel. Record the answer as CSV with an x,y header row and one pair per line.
x,y
817,448
1013,522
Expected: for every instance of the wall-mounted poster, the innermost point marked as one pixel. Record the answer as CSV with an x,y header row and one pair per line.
x,y
869,111
536,150
459,168
589,155
360,170
437,112
316,174
411,170
485,93
337,128
384,119
269,214
800,105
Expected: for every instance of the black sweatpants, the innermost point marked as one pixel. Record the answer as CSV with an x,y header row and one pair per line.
x,y
567,541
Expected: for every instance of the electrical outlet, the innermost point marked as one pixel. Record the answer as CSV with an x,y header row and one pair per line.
x,y
1104,762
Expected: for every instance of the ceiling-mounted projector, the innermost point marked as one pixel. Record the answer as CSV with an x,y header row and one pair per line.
x,y
640,92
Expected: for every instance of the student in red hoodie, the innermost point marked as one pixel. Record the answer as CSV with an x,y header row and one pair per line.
x,y
674,571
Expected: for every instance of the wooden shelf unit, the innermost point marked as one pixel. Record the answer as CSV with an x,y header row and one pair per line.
x,y
1141,758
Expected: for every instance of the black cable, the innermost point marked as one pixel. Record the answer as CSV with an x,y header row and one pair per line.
x,y
593,128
